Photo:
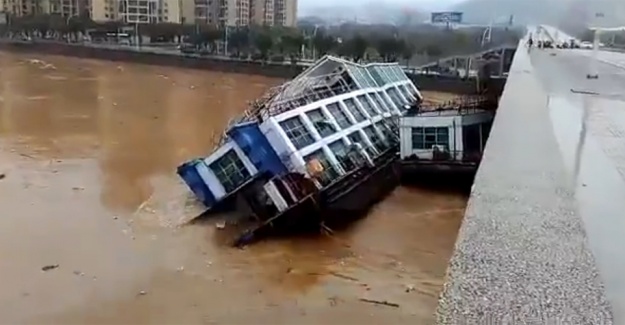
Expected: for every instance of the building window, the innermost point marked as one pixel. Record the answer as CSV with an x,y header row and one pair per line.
x,y
329,173
321,123
297,132
375,139
367,104
339,115
426,138
230,171
352,108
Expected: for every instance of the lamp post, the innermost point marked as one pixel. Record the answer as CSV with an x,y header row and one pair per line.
x,y
593,73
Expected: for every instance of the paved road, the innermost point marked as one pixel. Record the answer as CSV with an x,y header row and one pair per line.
x,y
542,238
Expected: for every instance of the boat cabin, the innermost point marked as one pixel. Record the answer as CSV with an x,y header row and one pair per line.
x,y
445,134
322,124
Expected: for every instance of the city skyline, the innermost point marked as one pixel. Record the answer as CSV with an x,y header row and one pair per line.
x,y
213,12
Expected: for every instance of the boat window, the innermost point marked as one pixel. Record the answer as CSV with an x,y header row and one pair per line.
x,y
367,104
386,101
373,136
352,108
297,132
426,138
376,75
321,123
405,91
341,152
399,73
368,78
378,101
230,171
392,92
339,115
328,172
388,133
355,137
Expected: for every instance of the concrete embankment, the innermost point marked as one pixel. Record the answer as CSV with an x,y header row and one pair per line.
x,y
154,57
449,84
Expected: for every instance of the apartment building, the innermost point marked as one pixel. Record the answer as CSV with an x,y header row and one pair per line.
x,y
243,12
21,7
212,12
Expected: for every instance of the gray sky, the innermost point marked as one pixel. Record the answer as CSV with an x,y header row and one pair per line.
x,y
425,5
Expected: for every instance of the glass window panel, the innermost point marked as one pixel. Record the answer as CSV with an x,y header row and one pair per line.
x,y
355,137
389,135
395,97
367,105
321,123
378,101
385,99
376,75
426,138
230,171
373,136
405,91
342,154
297,132
341,118
353,108
329,173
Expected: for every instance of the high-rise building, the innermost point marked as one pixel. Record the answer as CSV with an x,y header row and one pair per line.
x,y
211,12
242,12
21,7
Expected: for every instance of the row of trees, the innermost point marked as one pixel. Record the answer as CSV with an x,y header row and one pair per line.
x,y
357,42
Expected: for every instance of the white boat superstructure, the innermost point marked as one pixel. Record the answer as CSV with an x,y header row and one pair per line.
x,y
322,116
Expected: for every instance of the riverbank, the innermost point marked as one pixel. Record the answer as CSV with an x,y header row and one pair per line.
x,y
175,58
154,56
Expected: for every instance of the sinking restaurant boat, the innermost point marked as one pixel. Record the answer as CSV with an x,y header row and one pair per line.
x,y
317,151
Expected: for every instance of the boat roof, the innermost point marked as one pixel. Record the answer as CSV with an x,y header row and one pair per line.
x,y
329,76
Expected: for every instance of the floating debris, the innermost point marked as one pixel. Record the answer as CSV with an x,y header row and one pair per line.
x,y
380,302
49,267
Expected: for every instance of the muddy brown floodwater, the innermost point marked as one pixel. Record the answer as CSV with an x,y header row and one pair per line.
x,y
88,150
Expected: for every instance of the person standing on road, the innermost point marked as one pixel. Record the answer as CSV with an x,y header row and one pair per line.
x,y
530,42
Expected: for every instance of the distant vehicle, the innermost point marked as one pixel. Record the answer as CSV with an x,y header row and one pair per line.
x,y
586,45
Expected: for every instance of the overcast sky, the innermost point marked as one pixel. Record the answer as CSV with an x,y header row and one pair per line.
x,y
425,5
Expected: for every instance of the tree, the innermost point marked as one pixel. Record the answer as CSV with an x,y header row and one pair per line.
x,y
407,51
165,32
323,43
264,43
433,50
354,48
239,40
292,45
389,48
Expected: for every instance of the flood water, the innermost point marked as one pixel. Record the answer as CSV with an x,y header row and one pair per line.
x,y
88,150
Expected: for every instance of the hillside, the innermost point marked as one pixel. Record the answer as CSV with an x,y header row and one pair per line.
x,y
554,12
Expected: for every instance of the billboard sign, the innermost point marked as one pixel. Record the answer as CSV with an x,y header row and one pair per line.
x,y
447,17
